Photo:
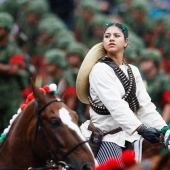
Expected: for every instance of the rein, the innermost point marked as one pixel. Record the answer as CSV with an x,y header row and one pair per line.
x,y
39,127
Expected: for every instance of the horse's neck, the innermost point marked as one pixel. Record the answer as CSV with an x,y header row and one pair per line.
x,y
16,151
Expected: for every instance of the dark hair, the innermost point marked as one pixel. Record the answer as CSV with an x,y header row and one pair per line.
x,y
123,27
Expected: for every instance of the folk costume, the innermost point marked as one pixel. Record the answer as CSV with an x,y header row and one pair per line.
x,y
118,99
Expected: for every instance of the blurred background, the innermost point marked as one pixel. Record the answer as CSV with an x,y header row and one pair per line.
x,y
48,39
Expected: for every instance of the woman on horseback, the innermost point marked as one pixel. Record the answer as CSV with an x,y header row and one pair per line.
x,y
121,110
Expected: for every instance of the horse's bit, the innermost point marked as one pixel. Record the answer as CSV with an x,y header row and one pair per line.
x,y
39,128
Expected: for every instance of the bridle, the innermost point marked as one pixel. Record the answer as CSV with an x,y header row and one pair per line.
x,y
39,127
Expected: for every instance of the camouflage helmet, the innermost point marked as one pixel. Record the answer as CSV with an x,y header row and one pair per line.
x,y
38,7
99,20
55,56
165,21
63,43
89,5
151,54
77,49
52,20
136,42
64,33
10,6
130,53
141,5
6,20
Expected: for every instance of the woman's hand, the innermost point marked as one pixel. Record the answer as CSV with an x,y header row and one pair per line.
x,y
150,134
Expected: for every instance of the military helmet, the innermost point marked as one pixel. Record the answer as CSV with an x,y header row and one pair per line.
x,y
136,42
55,56
99,20
63,43
77,49
141,5
165,21
6,20
89,5
38,7
130,53
151,54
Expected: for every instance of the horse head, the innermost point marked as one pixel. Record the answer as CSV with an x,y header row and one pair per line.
x,y
47,129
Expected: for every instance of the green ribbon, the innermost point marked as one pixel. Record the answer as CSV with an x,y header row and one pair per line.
x,y
165,128
2,137
163,152
124,27
54,92
108,24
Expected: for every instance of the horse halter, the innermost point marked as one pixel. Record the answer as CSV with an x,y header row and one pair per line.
x,y
39,127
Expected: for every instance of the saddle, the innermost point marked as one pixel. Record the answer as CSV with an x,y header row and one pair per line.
x,y
97,136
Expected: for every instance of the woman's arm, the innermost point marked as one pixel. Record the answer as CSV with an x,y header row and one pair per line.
x,y
147,113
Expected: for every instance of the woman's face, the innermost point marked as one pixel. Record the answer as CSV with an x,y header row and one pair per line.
x,y
113,40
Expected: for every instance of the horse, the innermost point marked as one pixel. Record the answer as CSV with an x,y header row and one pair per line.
x,y
46,129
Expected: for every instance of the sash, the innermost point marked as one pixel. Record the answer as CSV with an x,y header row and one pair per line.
x,y
128,84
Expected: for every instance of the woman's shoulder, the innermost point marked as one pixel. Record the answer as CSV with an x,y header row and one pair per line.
x,y
100,67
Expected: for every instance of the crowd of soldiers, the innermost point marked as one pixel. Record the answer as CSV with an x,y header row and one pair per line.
x,y
48,40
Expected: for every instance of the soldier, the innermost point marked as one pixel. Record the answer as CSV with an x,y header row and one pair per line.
x,y
82,22
12,76
96,29
75,55
161,40
139,21
156,81
34,12
131,56
56,65
63,43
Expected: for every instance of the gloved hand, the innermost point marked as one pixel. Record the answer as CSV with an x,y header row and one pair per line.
x,y
150,134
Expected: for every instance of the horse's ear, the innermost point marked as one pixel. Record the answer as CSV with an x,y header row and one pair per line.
x,y
39,97
62,85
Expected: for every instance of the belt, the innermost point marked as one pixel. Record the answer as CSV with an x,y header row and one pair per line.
x,y
92,128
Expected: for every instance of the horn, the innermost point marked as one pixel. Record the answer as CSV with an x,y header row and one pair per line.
x,y
62,85
39,97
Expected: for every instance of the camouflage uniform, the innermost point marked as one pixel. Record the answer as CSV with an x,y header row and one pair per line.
x,y
58,58
77,50
81,24
142,26
157,86
130,56
161,41
45,40
56,61
10,85
96,29
35,9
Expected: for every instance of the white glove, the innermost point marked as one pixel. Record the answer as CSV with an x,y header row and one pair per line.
x,y
167,139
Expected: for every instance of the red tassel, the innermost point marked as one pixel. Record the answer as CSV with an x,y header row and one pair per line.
x,y
23,106
46,88
100,167
128,158
41,90
112,164
27,101
30,96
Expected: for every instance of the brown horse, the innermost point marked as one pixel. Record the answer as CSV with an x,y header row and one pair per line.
x,y
46,130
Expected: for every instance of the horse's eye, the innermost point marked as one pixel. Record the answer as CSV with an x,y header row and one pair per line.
x,y
55,122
